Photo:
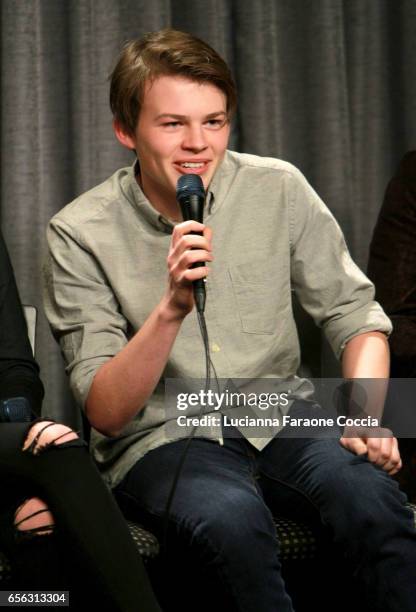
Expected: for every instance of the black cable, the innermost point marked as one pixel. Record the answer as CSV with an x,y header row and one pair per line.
x,y
208,365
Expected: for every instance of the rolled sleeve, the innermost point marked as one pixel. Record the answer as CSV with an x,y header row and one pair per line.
x,y
82,309
329,285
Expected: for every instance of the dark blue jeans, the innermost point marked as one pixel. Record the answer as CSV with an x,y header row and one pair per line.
x,y
222,511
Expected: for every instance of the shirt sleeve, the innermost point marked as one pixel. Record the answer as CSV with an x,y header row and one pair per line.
x,y
81,307
329,285
19,372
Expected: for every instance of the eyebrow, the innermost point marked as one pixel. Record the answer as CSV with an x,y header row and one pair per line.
x,y
183,117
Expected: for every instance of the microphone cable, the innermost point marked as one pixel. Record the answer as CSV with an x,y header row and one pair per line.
x,y
208,366
190,195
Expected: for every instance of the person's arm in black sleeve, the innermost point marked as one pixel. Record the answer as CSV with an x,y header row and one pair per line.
x,y
392,265
19,372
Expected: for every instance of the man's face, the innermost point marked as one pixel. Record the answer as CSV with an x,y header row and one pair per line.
x,y
182,129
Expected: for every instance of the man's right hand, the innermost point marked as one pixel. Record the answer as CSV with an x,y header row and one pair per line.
x,y
186,249
117,392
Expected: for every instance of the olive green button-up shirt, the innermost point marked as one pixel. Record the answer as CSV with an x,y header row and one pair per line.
x,y
106,271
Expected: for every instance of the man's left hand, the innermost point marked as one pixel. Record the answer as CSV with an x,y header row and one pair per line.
x,y
383,451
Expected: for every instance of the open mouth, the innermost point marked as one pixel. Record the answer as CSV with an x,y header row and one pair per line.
x,y
191,167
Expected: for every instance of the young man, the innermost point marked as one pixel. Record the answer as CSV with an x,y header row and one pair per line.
x,y
119,299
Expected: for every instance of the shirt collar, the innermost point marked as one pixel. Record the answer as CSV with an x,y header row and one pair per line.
x,y
219,185
135,195
152,216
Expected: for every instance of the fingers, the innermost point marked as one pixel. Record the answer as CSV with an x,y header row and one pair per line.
x,y
188,249
186,262
355,445
183,230
44,433
181,271
188,275
383,452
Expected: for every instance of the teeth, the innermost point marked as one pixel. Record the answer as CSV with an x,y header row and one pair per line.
x,y
192,165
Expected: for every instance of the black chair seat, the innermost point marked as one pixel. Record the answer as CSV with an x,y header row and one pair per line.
x,y
297,542
145,541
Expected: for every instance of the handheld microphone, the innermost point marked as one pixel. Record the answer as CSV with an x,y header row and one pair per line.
x,y
190,195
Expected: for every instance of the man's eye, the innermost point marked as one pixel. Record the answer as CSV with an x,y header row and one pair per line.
x,y
171,124
215,123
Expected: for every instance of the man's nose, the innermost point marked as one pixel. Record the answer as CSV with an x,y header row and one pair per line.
x,y
194,138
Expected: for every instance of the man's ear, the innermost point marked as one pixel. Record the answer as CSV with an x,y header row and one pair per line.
x,y
123,136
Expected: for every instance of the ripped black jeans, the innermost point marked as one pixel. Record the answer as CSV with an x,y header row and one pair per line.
x,y
87,549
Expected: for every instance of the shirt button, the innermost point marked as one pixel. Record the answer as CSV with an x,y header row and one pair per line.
x,y
215,348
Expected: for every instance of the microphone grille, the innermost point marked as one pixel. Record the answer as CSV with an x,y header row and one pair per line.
x,y
189,184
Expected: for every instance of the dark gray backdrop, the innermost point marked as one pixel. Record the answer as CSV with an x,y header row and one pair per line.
x,y
329,85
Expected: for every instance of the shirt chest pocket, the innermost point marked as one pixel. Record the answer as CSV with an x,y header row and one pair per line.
x,y
258,295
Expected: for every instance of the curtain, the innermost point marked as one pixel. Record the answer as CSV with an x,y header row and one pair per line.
x,y
329,85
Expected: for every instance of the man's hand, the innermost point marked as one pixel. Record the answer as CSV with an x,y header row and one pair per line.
x,y
185,250
366,356
117,392
383,451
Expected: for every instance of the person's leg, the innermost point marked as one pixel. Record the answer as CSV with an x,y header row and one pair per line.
x,y
360,505
218,524
33,516
27,527
89,523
